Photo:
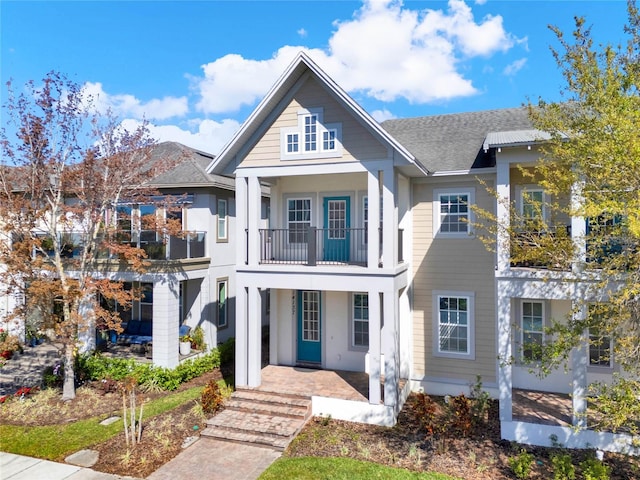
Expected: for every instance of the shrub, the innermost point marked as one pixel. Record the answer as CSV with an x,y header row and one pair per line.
x,y
425,409
227,351
594,469
53,376
460,409
197,339
520,465
481,401
563,468
212,398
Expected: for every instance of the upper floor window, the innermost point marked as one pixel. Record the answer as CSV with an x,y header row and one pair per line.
x,y
452,212
298,219
599,349
222,220
311,137
293,143
532,208
310,133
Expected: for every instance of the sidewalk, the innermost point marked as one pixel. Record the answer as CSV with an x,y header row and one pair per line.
x,y
206,459
18,467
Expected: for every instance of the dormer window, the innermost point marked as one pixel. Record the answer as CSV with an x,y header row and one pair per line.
x,y
311,138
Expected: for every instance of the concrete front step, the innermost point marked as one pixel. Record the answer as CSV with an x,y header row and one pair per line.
x,y
261,418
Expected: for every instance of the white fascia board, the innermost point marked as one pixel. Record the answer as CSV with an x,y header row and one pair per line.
x,y
299,170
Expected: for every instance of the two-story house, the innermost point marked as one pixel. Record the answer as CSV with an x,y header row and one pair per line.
x,y
370,263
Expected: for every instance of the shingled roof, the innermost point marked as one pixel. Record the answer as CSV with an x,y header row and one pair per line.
x,y
454,142
190,167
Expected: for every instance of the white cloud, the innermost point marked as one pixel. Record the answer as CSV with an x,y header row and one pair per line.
x,y
382,115
302,32
209,136
514,67
129,106
419,57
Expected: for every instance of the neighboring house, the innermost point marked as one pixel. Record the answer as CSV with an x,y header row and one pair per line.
x,y
370,259
190,278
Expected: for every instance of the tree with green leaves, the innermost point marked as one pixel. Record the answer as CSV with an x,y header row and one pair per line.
x,y
65,169
590,169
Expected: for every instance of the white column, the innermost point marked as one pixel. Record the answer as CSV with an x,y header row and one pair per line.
x,y
578,230
505,381
274,316
241,336
253,220
166,323
579,364
503,215
389,220
391,348
374,346
254,337
373,212
241,220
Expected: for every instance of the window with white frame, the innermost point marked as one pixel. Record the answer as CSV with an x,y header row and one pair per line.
x,y
599,344
223,234
311,137
531,200
298,219
293,143
454,324
222,296
452,212
360,318
532,330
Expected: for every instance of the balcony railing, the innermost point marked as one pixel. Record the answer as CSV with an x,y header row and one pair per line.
x,y
191,245
313,246
318,246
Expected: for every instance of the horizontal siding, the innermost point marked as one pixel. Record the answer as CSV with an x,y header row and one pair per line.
x,y
358,143
457,265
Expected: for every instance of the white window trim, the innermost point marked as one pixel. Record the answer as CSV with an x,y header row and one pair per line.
x,y
471,340
521,190
302,196
520,345
224,281
225,237
470,192
321,128
352,321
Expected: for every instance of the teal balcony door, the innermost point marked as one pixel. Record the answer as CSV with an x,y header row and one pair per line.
x,y
336,229
309,327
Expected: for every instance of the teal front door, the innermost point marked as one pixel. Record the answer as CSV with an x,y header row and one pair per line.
x,y
336,229
309,327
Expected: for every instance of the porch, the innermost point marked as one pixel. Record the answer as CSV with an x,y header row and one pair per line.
x,y
528,405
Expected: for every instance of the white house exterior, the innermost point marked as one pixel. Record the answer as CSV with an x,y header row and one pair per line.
x,y
370,260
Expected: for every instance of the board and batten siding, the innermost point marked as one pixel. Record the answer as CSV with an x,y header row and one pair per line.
x,y
457,265
357,143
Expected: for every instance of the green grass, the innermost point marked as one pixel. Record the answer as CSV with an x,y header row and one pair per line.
x,y
54,442
315,468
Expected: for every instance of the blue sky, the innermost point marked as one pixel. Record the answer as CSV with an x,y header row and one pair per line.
x,y
195,70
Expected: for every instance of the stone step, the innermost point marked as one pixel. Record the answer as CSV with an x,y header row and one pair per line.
x,y
256,422
261,440
260,418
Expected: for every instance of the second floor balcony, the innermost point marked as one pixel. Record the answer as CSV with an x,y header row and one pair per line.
x,y
319,246
190,245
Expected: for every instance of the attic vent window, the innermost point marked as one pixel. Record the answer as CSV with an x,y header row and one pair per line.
x,y
311,137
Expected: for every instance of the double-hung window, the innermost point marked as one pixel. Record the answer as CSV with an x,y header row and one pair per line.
x,y
599,344
360,317
298,219
222,234
454,324
222,293
532,330
452,213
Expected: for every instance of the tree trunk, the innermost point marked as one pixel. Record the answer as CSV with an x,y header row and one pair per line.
x,y
69,385
87,330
